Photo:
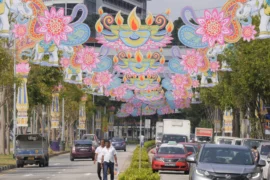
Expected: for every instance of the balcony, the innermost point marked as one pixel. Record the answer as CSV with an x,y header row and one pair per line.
x,y
52,2
134,2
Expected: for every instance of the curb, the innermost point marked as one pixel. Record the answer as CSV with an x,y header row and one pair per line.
x,y
8,167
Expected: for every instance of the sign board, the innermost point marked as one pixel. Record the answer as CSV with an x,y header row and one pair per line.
x,y
147,123
228,121
217,126
206,132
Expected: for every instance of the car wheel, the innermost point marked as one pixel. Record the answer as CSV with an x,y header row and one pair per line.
x,y
71,158
186,172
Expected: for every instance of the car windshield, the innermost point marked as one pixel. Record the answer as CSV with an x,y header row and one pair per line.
x,y
222,155
117,139
251,142
190,149
89,137
265,150
176,138
171,150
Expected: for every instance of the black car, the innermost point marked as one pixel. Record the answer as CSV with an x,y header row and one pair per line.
x,y
118,143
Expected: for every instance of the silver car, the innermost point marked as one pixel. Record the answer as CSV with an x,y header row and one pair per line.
x,y
221,162
264,150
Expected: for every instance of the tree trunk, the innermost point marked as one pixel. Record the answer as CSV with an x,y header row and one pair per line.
x,y
2,123
71,133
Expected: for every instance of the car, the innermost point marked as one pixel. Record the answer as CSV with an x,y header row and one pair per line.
x,y
264,150
197,146
93,138
190,148
222,161
119,143
171,157
82,149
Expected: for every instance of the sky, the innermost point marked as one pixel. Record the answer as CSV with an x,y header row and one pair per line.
x,y
159,6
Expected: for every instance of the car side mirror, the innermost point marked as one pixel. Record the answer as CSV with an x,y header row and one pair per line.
x,y
190,153
262,163
191,159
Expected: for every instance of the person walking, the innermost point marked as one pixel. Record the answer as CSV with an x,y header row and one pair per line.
x,y
256,154
98,158
109,159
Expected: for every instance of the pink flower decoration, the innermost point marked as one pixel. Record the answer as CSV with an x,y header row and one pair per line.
x,y
195,83
179,81
104,78
87,81
192,61
55,26
22,68
213,27
214,66
20,31
179,93
120,92
88,58
248,33
65,62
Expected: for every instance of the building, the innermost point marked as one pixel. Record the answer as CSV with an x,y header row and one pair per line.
x,y
109,6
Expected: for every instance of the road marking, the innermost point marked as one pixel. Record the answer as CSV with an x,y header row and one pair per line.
x,y
28,175
87,174
56,164
48,177
53,175
59,172
64,169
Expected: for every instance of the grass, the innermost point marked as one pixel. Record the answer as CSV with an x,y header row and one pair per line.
x,y
7,160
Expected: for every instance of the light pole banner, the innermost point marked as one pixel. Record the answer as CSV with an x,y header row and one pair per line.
x,y
82,113
147,124
98,120
55,114
228,121
111,121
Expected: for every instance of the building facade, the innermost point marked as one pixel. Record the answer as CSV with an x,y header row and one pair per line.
x,y
109,6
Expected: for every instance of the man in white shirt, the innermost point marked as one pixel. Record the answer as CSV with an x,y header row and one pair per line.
x,y
108,159
98,158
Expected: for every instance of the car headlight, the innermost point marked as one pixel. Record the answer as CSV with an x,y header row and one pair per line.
x,y
181,160
253,176
202,172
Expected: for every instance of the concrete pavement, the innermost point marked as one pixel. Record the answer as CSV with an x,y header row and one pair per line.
x,y
62,168
170,175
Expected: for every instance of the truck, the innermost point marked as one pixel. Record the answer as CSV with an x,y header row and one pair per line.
x,y
176,130
31,149
203,134
159,131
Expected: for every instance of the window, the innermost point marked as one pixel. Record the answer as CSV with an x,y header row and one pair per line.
x,y
265,150
171,150
220,155
238,142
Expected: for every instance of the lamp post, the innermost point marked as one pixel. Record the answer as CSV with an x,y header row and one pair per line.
x,y
14,101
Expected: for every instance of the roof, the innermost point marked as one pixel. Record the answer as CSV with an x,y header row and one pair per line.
x,y
225,146
175,145
83,142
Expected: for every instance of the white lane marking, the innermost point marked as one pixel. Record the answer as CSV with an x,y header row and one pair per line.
x,y
59,172
56,164
53,175
48,177
28,175
87,174
64,169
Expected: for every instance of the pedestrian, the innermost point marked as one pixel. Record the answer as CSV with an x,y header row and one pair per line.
x,y
142,140
109,159
98,158
256,154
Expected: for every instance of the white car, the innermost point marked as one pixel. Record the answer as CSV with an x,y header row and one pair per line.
x,y
264,150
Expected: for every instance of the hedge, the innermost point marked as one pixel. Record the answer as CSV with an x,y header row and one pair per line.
x,y
145,173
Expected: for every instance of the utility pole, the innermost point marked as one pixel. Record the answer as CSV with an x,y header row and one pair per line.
x,y
63,125
93,117
140,156
14,100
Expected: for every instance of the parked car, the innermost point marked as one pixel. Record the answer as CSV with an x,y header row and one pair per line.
x,y
224,162
31,149
171,157
93,138
264,150
82,149
119,143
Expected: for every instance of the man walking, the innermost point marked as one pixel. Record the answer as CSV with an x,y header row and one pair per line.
x,y
108,159
98,158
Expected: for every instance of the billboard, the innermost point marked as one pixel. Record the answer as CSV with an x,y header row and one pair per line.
x,y
228,121
206,132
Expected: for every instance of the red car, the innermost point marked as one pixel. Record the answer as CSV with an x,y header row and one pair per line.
x,y
82,149
171,157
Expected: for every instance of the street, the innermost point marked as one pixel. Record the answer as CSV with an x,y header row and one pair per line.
x,y
170,175
62,168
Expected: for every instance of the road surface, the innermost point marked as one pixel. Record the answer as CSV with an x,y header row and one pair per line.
x,y
62,168
171,175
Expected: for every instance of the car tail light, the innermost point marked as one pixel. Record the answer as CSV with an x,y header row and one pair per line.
x,y
73,149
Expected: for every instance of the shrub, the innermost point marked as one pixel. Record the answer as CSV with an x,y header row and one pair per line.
x,y
145,173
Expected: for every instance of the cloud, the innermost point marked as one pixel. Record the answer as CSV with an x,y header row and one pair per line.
x,y
159,6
